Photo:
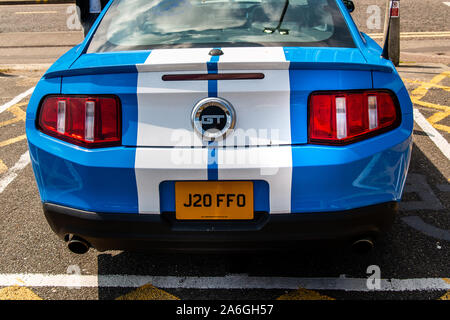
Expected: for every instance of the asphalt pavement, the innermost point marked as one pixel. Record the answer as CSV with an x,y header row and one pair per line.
x,y
412,260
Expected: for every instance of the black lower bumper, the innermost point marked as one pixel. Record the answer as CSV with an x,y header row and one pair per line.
x,y
111,231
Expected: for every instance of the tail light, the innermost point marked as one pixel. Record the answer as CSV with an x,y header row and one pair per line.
x,y
88,121
338,118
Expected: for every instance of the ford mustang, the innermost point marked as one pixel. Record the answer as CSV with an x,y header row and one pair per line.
x,y
220,125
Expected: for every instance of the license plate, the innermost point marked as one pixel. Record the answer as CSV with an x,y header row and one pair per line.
x,y
214,200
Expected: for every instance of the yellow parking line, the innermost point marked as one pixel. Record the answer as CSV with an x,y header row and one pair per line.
x,y
447,295
429,104
3,167
438,116
35,12
13,140
18,293
19,114
148,292
420,92
442,128
429,84
414,33
304,294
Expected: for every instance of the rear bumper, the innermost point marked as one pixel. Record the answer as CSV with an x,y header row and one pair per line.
x,y
298,179
162,232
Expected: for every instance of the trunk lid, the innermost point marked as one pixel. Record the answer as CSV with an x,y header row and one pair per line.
x,y
268,111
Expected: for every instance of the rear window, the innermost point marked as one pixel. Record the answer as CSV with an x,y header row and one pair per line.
x,y
148,24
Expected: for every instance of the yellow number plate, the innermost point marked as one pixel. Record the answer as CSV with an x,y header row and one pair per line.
x,y
214,200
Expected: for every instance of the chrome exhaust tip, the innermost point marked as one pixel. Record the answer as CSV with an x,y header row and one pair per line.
x,y
77,245
363,245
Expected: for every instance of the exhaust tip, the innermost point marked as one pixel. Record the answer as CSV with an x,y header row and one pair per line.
x,y
363,245
77,245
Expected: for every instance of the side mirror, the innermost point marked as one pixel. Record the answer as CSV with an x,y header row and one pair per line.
x,y
350,5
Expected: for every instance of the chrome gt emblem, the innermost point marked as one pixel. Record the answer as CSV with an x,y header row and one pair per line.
x,y
213,118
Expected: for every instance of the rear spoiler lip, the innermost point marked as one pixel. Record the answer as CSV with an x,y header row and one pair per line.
x,y
224,66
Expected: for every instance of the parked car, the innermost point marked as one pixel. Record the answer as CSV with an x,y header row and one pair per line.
x,y
220,125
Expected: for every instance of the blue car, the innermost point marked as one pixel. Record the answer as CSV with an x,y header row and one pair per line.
x,y
220,125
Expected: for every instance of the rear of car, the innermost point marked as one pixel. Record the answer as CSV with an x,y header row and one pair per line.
x,y
273,122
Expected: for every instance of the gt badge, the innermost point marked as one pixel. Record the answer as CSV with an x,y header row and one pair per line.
x,y
213,118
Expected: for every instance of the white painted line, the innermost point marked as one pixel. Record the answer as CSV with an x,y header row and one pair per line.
x,y
16,100
446,3
227,282
434,135
12,173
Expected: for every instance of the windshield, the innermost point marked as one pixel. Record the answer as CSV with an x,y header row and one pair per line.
x,y
148,24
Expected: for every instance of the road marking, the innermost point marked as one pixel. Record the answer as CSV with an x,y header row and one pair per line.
x,y
36,12
434,135
11,174
414,33
18,293
16,100
420,92
226,282
19,114
304,294
3,167
446,3
148,292
437,117
12,140
430,105
447,295
428,85
431,34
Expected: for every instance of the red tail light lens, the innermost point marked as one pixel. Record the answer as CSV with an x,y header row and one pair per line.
x,y
338,118
88,121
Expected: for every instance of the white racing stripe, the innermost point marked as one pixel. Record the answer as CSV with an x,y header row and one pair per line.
x,y
174,60
253,58
12,173
155,165
16,100
261,105
272,164
164,113
164,107
226,282
262,118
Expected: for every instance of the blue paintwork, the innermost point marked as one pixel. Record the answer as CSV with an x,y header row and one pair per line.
x,y
364,173
103,180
